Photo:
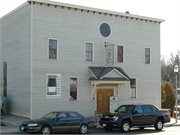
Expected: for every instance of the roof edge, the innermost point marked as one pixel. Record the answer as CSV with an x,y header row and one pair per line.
x,y
119,72
97,10
92,73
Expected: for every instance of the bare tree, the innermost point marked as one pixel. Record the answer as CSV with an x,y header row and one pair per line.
x,y
167,69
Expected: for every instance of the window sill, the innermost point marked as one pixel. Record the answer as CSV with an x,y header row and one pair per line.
x,y
74,100
89,61
52,59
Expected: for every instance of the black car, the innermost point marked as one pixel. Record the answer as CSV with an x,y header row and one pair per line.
x,y
59,121
140,115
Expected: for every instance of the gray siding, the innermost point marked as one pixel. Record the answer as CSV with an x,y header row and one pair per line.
x,y
72,29
0,59
15,49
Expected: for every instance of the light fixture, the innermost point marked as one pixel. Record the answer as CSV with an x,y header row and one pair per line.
x,y
176,68
176,71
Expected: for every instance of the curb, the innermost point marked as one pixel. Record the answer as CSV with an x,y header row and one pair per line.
x,y
172,124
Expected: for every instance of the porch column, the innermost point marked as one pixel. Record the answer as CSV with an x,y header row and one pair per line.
x,y
93,88
119,88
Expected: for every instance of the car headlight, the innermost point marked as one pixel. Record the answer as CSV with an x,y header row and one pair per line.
x,y
114,118
32,125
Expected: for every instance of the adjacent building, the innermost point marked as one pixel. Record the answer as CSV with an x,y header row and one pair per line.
x,y
57,56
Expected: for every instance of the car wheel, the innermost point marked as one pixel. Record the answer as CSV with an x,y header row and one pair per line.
x,y
141,128
125,127
159,125
83,129
46,130
108,128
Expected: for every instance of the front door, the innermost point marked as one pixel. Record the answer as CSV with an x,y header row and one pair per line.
x,y
103,99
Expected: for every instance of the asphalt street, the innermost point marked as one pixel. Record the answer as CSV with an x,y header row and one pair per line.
x,y
13,122
173,130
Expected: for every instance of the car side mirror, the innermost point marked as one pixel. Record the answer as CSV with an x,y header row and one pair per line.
x,y
135,112
57,119
116,110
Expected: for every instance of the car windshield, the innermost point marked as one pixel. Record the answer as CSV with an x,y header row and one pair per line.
x,y
124,109
51,115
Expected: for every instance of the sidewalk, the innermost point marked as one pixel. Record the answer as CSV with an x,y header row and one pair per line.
x,y
13,122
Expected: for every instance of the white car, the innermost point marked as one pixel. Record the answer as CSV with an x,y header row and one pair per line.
x,y
1,104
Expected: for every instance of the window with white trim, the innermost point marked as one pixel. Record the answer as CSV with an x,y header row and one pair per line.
x,y
52,85
120,53
73,88
147,55
89,51
53,88
132,88
52,49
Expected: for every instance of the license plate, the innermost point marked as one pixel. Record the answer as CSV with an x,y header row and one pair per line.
x,y
104,125
22,128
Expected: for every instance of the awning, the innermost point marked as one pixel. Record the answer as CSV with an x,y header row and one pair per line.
x,y
107,75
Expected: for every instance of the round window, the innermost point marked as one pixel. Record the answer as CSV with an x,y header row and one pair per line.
x,y
105,30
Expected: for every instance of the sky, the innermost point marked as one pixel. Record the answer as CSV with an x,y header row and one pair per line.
x,y
169,10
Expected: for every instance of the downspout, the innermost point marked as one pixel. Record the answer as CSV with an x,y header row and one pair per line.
x,y
31,59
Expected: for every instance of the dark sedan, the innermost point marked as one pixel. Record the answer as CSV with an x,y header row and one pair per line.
x,y
59,121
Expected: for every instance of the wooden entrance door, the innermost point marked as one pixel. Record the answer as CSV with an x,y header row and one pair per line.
x,y
103,99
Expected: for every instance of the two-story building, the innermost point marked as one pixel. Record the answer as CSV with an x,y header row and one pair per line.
x,y
57,56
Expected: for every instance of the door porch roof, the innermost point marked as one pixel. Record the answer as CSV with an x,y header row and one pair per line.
x,y
101,73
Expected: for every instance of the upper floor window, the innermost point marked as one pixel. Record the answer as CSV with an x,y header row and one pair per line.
x,y
147,55
89,51
73,88
133,88
52,49
120,53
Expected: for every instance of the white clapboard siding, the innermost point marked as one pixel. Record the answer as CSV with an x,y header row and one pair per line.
x,y
15,49
73,28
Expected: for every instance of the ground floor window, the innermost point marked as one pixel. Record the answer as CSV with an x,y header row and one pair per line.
x,y
53,86
133,88
73,88
5,79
